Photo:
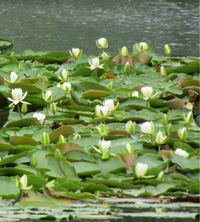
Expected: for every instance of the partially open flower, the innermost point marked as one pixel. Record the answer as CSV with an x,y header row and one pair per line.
x,y
66,86
104,147
147,92
95,63
141,169
18,96
75,52
13,77
182,133
143,46
40,117
167,49
124,51
147,127
23,183
64,76
135,93
160,138
187,118
102,129
182,153
110,104
102,111
47,96
130,127
102,43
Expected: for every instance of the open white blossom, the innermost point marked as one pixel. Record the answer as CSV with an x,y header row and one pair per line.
x,y
147,92
101,111
181,152
110,104
147,127
104,148
95,63
18,96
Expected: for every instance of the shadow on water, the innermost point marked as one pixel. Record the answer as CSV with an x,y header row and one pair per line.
x,y
62,24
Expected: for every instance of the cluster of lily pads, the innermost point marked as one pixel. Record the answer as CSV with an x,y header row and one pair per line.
x,y
113,124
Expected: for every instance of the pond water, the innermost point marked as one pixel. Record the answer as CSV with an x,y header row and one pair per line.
x,y
62,24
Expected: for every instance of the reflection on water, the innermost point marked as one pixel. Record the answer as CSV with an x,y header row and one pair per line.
x,y
61,24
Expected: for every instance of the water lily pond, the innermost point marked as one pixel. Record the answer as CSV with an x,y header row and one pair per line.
x,y
105,137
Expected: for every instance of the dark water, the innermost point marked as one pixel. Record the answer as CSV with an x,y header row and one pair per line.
x,y
62,24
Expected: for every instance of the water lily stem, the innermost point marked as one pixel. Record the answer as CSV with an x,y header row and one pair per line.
x,y
19,111
18,197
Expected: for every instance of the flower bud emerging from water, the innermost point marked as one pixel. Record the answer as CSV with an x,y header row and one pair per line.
x,y
160,138
129,148
181,153
53,107
167,49
104,147
47,96
102,129
124,51
147,92
127,68
160,175
13,77
188,118
61,139
64,76
182,133
24,108
163,71
130,127
23,183
142,47
105,56
102,43
189,106
75,52
141,169
57,154
45,139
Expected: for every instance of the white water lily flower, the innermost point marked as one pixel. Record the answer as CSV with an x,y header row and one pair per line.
x,y
110,104
130,127
105,56
18,96
104,148
147,127
182,153
143,46
66,86
182,133
141,169
147,92
188,118
23,183
47,95
135,93
101,111
64,76
160,138
40,117
95,63
13,77
75,52
102,43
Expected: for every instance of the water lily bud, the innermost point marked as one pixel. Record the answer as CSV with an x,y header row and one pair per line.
x,y
141,169
21,67
110,104
47,96
182,133
104,147
167,49
130,127
147,92
33,161
13,77
147,127
129,148
169,129
143,46
182,153
75,52
124,51
160,138
23,183
135,93
61,139
53,107
57,154
45,139
67,86
105,56
189,106
163,71
101,111
188,119
64,76
102,43
127,68
160,175
110,86
24,108
165,119
40,117
102,129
